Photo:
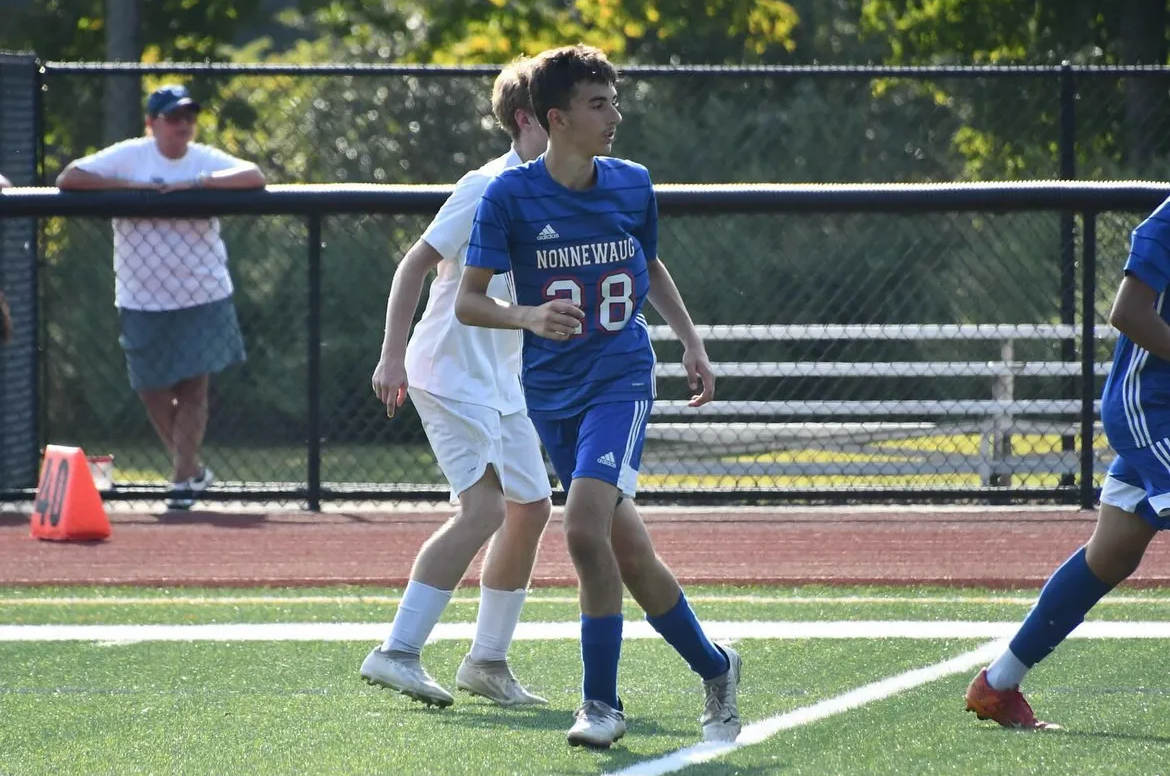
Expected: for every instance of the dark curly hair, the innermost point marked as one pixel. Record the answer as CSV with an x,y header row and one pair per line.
x,y
554,74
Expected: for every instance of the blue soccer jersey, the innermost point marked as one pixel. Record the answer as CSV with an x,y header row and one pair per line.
x,y
1135,407
590,247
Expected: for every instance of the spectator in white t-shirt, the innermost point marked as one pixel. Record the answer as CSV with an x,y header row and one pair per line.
x,y
171,281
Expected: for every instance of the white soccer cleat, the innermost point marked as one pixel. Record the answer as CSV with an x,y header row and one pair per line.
x,y
194,484
402,671
492,679
597,725
720,718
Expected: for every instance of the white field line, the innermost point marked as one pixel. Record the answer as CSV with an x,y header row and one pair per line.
x,y
758,732
389,600
548,631
444,507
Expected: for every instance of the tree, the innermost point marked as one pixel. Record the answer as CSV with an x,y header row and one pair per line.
x,y
123,92
1048,31
174,30
118,30
628,30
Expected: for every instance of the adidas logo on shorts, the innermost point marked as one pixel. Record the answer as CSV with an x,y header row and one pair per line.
x,y
547,233
608,460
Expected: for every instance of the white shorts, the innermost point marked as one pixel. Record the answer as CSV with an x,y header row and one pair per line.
x,y
466,438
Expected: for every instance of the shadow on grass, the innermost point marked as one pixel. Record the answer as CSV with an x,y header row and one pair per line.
x,y
542,718
1109,736
720,768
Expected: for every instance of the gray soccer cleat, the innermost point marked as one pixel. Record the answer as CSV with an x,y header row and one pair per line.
x,y
597,725
720,719
492,679
402,671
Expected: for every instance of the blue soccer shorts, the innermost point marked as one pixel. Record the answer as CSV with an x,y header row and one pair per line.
x,y
1139,482
603,442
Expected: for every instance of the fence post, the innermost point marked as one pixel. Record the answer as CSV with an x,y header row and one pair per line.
x,y
20,361
40,312
1003,389
1068,256
313,479
1088,355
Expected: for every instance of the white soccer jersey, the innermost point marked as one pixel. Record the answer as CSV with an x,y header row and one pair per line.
x,y
444,357
164,263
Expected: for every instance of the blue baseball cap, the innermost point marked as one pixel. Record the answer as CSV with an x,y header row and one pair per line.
x,y
168,98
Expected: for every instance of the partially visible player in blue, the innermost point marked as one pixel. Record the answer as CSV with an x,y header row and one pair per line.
x,y
579,232
1135,499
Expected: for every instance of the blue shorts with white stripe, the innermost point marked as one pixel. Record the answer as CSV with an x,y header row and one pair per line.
x,y
1139,482
604,442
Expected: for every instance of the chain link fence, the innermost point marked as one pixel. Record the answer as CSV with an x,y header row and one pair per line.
x,y
861,354
258,424
902,349
19,144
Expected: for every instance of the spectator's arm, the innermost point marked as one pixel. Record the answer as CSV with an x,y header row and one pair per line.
x,y
73,178
4,182
243,176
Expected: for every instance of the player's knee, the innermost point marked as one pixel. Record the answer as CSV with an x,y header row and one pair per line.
x,y
1111,561
1118,543
585,540
481,512
530,518
1116,566
477,525
1127,564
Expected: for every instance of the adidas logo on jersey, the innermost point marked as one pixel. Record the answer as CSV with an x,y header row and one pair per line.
x,y
547,233
608,460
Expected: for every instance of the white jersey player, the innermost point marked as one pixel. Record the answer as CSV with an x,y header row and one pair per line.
x,y
465,384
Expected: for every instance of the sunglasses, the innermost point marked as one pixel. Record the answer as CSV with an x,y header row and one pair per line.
x,y
180,117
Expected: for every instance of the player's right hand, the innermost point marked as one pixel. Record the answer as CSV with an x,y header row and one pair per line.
x,y
555,320
389,383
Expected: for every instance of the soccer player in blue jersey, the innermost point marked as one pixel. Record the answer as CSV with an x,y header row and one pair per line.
x,y
579,232
1135,499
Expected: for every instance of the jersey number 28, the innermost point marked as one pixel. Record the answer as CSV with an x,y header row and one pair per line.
x,y
615,298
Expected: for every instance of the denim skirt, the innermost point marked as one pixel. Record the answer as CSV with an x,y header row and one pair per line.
x,y
165,347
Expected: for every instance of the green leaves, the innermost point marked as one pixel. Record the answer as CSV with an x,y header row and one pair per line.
x,y
172,29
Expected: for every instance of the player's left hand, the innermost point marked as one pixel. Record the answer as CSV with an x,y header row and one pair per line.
x,y
699,375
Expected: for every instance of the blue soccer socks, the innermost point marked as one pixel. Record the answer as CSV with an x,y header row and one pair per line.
x,y
682,631
1067,596
601,648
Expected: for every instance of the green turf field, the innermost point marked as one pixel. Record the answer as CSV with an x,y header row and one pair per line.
x,y
267,702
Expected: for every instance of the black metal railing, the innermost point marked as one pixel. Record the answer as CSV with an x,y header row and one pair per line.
x,y
874,342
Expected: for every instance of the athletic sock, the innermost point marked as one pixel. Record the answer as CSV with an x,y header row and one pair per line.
x,y
421,607
1067,596
499,612
601,648
681,629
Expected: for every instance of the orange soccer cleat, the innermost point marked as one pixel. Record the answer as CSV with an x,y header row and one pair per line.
x,y
1007,707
